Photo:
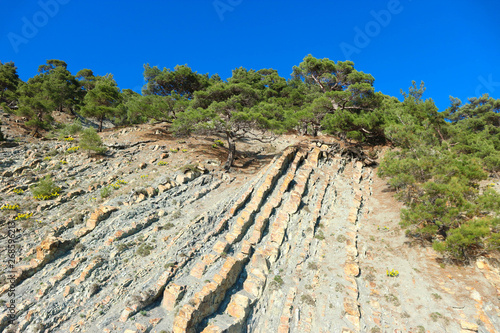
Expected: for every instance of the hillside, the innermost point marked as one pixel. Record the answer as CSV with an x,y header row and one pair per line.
x,y
156,237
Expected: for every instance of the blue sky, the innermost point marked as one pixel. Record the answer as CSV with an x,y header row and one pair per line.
x,y
453,46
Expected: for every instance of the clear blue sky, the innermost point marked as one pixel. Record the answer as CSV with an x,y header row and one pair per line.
x,y
453,46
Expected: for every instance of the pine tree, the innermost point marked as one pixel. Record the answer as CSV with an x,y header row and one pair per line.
x,y
35,103
63,88
181,81
9,82
351,98
227,109
102,101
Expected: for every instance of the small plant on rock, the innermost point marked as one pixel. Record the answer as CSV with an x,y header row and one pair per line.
x,y
94,289
391,298
319,235
21,216
392,273
169,264
45,189
177,214
308,299
105,192
279,280
189,167
312,265
9,207
72,149
144,250
168,226
436,296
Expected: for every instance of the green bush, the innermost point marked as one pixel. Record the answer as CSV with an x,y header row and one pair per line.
x,y
436,171
144,250
105,192
45,188
70,129
471,238
90,140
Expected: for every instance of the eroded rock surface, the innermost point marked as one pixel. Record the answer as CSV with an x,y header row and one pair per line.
x,y
300,244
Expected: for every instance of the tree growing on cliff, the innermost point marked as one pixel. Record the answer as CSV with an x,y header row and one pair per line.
x,y
228,109
35,104
346,100
181,81
101,102
476,127
62,88
9,82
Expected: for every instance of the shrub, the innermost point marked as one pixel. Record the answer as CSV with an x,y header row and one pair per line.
x,y
170,264
319,235
471,237
70,129
189,167
45,189
444,204
94,289
392,273
72,149
105,192
21,216
312,266
144,250
91,141
278,280
391,298
9,207
177,214
168,226
308,299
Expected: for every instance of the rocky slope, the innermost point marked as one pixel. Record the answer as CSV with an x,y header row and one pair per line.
x,y
297,239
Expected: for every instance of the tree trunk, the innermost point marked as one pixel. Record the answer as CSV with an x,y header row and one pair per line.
x,y
232,151
100,124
